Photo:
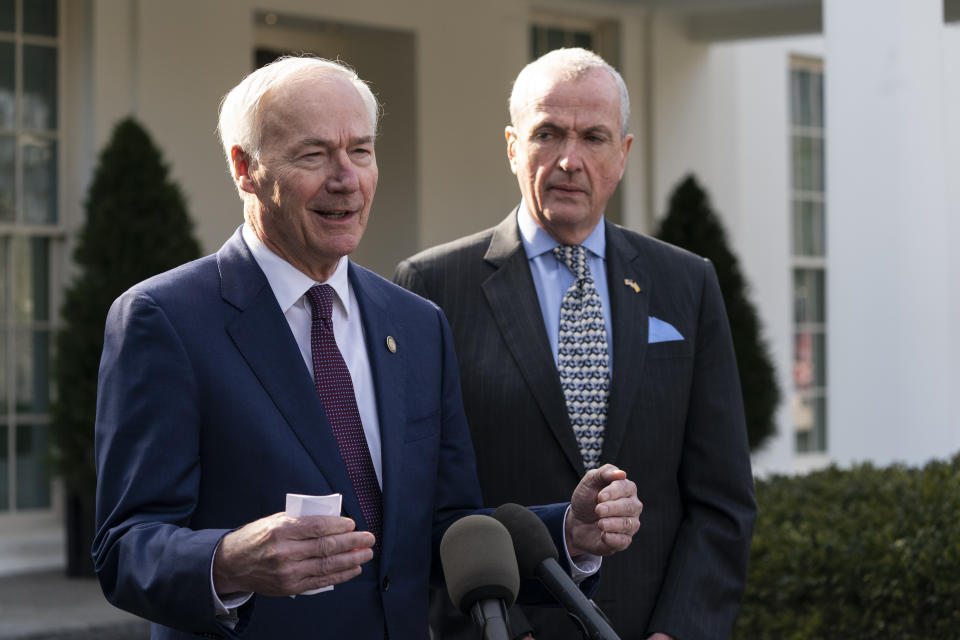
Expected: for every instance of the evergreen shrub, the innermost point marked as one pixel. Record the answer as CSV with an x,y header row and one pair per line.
x,y
862,553
690,223
136,226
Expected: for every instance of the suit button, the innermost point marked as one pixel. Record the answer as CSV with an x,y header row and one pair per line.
x,y
386,583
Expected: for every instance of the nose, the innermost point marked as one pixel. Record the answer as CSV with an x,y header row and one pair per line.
x,y
343,178
570,159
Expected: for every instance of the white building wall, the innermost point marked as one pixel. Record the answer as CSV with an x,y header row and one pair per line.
x,y
722,112
892,342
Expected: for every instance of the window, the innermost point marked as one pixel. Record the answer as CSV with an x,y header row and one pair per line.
x,y
809,244
31,237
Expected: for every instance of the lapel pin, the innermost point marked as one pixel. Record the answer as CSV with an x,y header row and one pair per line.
x,y
633,285
391,344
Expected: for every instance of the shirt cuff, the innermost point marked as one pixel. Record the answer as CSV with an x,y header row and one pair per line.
x,y
225,606
584,565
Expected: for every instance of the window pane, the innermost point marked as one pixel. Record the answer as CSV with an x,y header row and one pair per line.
x,y
8,151
816,96
583,39
8,99
31,268
808,228
3,372
39,87
536,42
40,17
33,478
808,296
4,284
32,371
39,181
807,163
809,418
556,38
4,473
7,19
820,359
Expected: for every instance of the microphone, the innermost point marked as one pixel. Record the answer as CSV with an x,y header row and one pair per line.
x,y
481,572
537,558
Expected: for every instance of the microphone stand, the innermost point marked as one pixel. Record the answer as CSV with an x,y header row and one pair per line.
x,y
491,616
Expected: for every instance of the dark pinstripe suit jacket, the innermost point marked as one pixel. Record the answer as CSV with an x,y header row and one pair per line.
x,y
675,419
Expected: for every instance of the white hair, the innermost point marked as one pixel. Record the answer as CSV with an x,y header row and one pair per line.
x,y
240,118
572,63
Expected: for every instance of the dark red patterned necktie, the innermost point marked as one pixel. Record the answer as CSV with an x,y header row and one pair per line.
x,y
332,380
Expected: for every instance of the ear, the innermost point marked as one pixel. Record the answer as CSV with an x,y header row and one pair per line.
x,y
241,164
625,150
511,135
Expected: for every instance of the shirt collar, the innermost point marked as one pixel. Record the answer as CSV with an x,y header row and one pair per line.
x,y
536,241
289,284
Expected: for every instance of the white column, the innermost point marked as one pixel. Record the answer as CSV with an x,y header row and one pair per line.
x,y
892,384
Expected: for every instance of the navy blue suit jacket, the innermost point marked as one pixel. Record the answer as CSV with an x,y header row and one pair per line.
x,y
207,416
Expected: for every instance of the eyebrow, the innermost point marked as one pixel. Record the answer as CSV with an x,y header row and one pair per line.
x,y
321,142
549,124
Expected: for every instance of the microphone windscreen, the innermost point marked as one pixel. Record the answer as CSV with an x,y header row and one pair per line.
x,y
478,562
531,540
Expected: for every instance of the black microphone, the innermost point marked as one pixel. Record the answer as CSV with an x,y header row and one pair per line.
x,y
481,572
537,558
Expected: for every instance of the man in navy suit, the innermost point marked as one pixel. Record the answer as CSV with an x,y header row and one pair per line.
x,y
671,409
277,366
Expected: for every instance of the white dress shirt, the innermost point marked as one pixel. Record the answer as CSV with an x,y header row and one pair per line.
x,y
290,286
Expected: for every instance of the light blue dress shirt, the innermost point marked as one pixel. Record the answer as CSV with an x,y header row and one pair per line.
x,y
552,278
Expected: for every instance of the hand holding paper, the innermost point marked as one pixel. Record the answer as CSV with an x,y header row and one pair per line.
x,y
282,555
299,505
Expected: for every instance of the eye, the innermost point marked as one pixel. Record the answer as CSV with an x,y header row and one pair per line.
x,y
542,136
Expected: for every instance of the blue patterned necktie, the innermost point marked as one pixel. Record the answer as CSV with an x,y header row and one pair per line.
x,y
335,387
583,359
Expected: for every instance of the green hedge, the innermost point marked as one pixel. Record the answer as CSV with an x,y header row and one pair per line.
x,y
855,554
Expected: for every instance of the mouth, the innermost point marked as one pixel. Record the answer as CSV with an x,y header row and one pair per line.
x,y
567,189
333,214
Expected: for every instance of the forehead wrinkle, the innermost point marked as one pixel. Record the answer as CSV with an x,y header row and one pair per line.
x,y
312,141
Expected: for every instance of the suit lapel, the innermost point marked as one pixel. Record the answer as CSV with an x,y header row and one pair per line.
x,y
631,311
387,371
513,300
263,337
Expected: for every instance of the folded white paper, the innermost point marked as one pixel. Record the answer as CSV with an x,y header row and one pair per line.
x,y
299,505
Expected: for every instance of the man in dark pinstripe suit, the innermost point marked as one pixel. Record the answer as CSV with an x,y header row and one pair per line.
x,y
671,408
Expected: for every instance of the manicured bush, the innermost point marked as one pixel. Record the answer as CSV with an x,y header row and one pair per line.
x,y
136,226
864,553
691,223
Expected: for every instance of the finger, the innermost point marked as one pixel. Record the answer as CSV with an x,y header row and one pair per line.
x,y
311,582
597,479
615,541
620,525
327,546
618,490
629,507
308,527
331,565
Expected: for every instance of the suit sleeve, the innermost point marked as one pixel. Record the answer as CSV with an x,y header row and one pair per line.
x,y
148,470
705,577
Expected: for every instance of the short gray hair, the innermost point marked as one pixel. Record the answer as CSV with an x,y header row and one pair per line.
x,y
239,123
573,63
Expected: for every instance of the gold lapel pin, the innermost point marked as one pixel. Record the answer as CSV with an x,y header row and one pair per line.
x,y
391,344
633,285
